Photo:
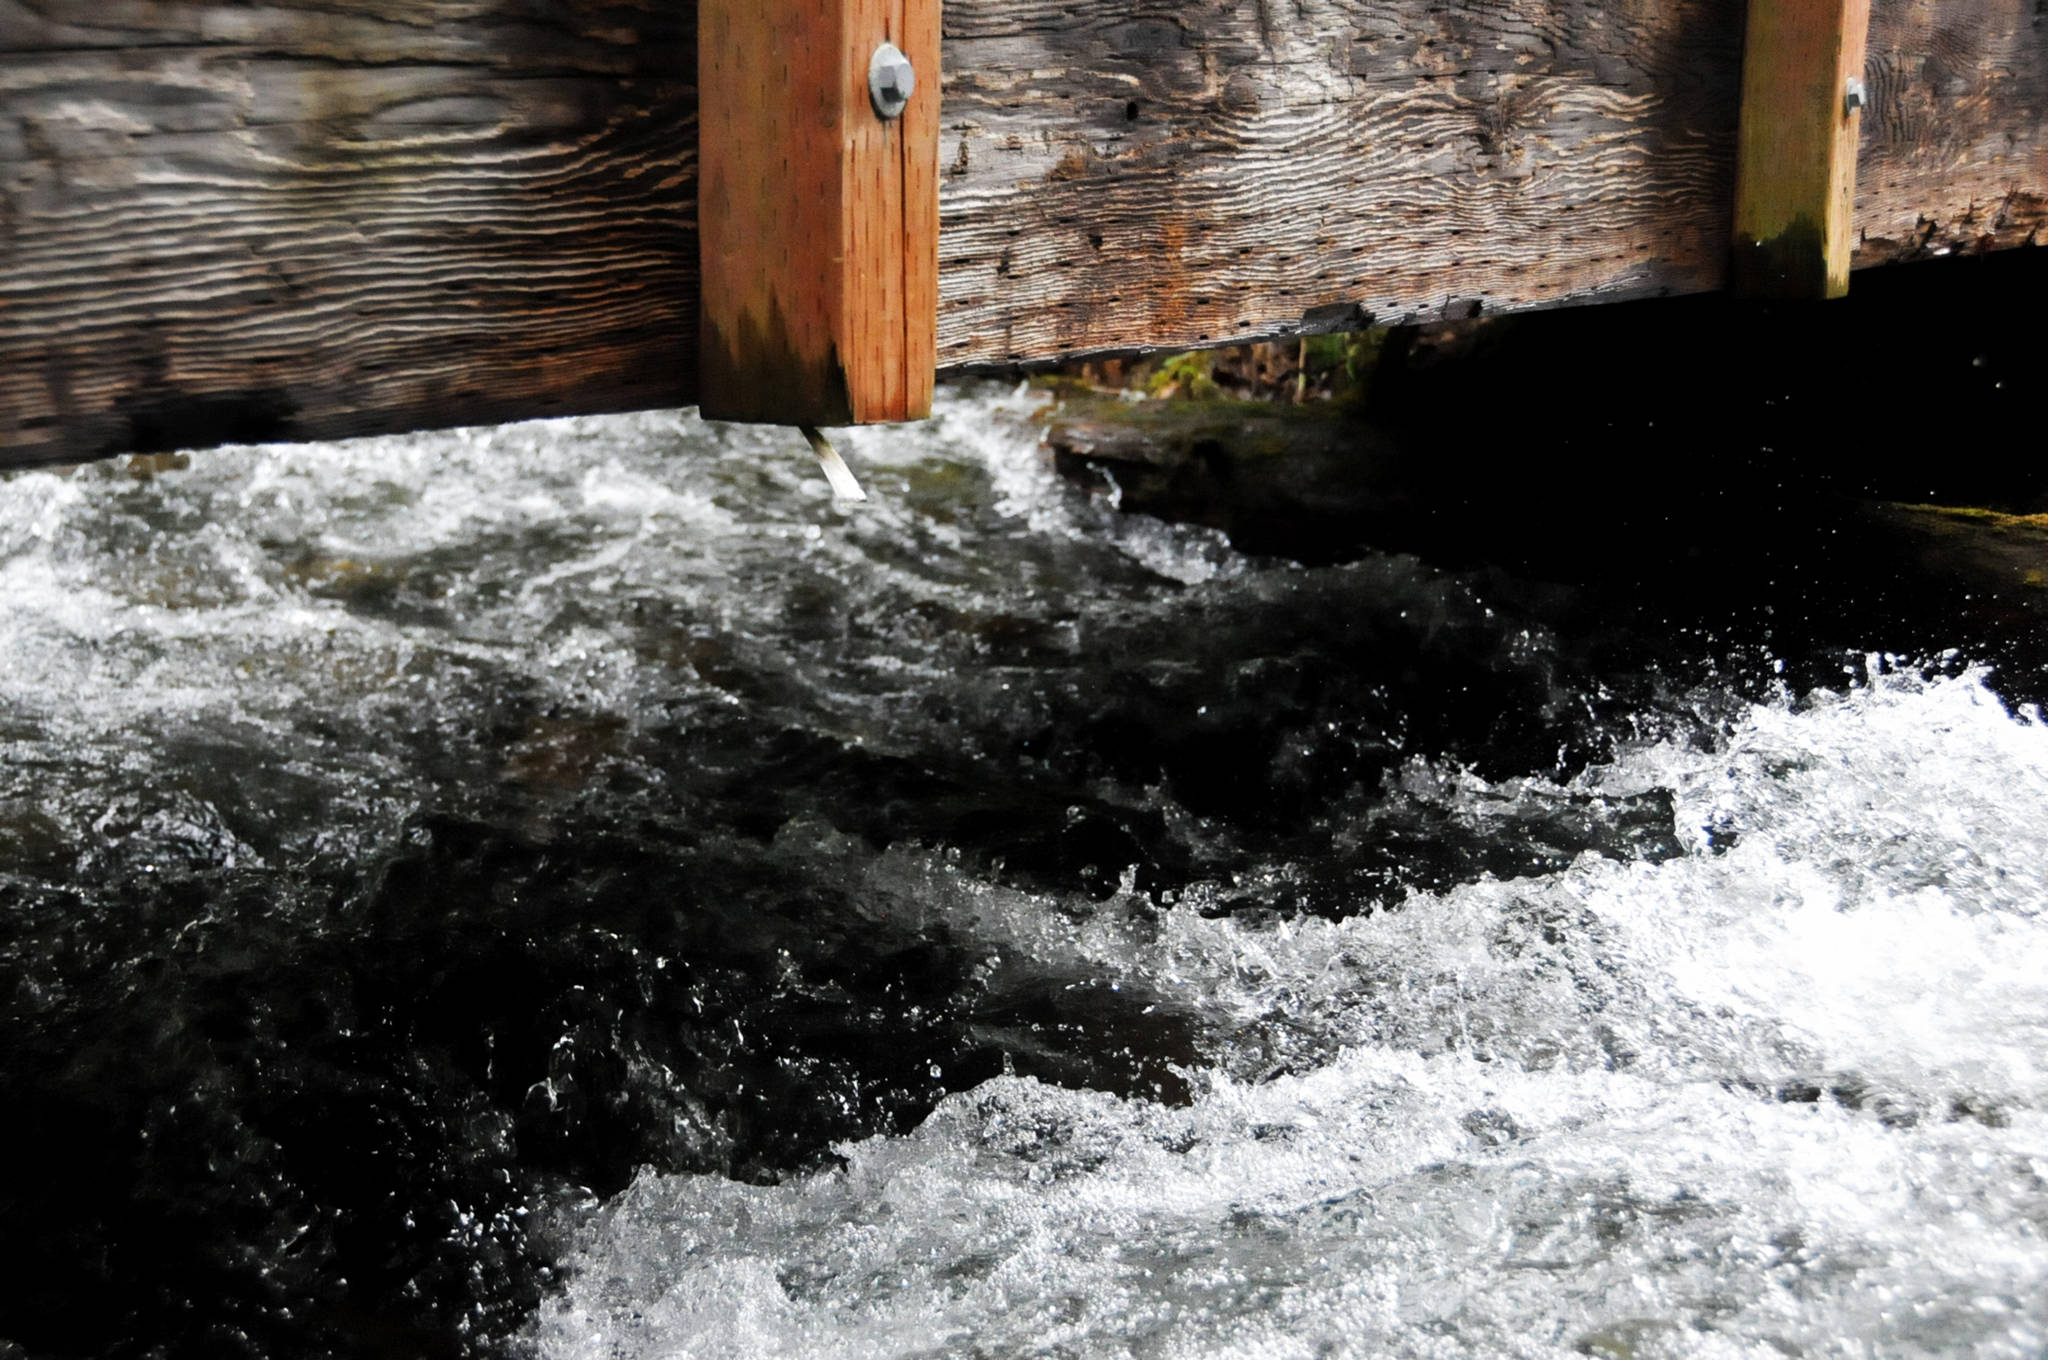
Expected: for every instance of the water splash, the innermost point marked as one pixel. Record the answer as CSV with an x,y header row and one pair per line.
x,y
1780,1095
426,863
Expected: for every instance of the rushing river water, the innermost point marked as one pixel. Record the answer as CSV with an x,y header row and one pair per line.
x,y
574,890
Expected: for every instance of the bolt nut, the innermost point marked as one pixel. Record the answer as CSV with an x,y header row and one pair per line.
x,y
1852,96
891,82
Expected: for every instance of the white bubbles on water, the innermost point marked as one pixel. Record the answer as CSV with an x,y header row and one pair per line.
x,y
1780,1095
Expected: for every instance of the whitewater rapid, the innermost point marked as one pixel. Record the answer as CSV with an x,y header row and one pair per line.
x,y
574,890
1783,1095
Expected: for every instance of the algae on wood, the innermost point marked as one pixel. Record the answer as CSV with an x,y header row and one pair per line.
x,y
1304,482
1795,172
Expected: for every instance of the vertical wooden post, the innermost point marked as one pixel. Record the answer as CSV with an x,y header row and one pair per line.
x,y
1796,161
818,218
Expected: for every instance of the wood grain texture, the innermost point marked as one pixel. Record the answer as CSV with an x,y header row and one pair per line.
x,y
1174,173
1955,140
892,218
771,203
1795,172
818,218
1128,173
311,220
308,218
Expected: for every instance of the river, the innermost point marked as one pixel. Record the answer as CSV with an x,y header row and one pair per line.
x,y
575,890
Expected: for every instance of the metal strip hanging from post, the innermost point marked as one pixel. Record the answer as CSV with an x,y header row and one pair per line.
x,y
1802,103
818,209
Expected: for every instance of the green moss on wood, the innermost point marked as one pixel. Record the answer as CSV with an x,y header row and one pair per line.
x,y
1792,264
759,373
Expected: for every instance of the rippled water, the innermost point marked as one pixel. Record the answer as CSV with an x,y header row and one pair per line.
x,y
573,890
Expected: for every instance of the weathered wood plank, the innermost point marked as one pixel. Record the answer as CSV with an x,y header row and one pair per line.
x,y
818,219
310,220
1955,139
1795,180
1214,170
1144,171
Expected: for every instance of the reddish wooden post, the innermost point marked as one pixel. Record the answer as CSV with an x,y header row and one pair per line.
x,y
1802,96
818,215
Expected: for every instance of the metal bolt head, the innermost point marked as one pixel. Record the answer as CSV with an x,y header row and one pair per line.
x,y
1852,96
891,82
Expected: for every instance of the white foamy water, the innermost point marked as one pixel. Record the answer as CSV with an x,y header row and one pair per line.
x,y
1786,1096
1775,1088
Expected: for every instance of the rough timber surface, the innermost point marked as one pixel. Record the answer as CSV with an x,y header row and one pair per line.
x,y
1170,173
316,218
310,218
1955,138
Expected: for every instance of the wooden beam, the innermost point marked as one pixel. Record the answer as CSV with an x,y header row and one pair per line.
x,y
309,219
1955,139
1795,188
818,217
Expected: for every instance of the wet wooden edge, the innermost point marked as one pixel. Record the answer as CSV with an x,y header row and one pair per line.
x,y
315,219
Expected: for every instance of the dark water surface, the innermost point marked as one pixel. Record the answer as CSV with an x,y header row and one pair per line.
x,y
571,889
